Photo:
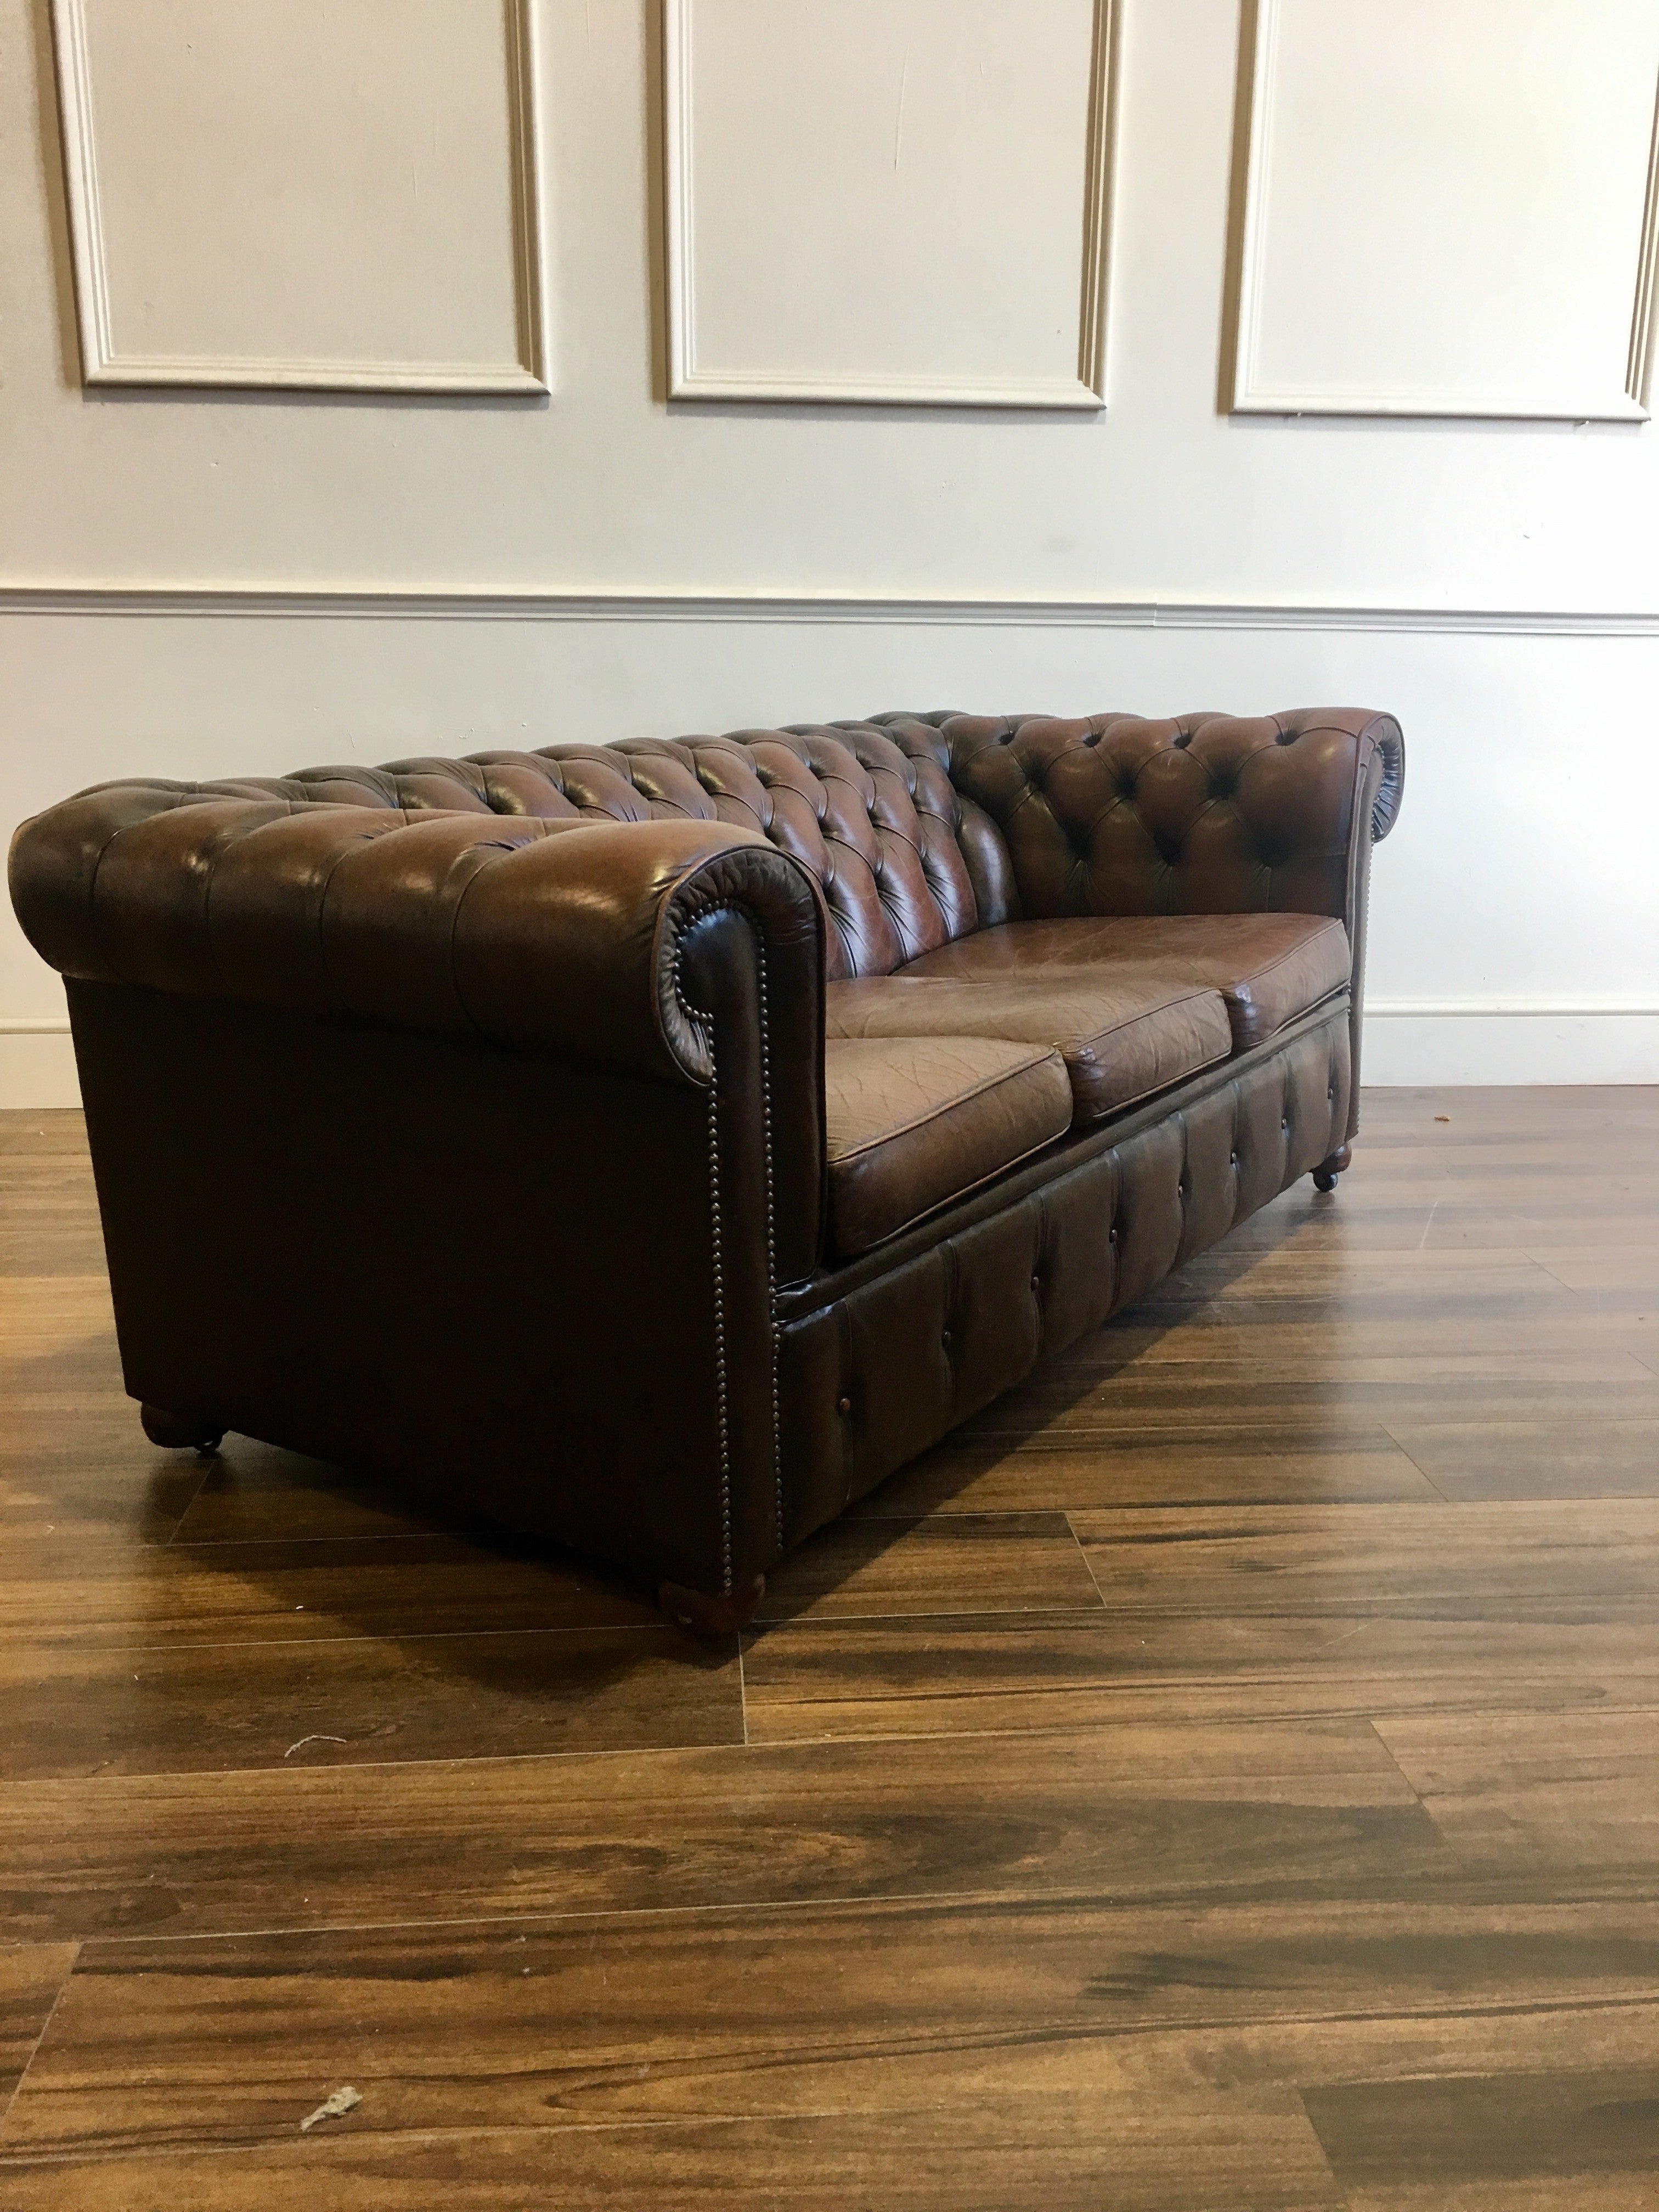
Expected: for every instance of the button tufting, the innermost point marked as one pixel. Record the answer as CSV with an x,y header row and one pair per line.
x,y
845,1405
1232,1159
1037,1282
944,1338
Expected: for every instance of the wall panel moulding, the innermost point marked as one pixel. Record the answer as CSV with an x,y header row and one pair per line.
x,y
894,202
1476,238
309,195
552,603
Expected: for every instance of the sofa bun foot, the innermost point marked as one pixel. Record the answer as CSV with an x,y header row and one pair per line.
x,y
710,1617
179,1432
1326,1173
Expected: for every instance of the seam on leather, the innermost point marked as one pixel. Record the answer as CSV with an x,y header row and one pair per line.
x,y
454,925
1122,1105
1038,1058
178,798
1244,982
208,945
939,1205
1082,1043
364,837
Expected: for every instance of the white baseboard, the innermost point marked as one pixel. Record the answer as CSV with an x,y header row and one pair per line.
x,y
37,1064
1467,1043
1457,1042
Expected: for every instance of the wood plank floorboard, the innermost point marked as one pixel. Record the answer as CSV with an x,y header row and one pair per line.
x,y
347,1699
1225,1773
1030,2155
1137,1808
1574,2124
986,1673
1125,1466
1532,1559
960,1563
32,1979
1557,1459
1320,1396
568,2025
98,1591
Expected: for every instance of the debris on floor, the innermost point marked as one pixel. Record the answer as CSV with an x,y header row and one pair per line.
x,y
331,2108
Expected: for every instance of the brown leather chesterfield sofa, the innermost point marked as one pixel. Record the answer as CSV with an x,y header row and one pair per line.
x,y
655,1145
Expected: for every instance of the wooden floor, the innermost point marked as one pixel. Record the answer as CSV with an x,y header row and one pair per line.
x,y
1226,1775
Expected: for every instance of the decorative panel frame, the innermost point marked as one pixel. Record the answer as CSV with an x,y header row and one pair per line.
x,y
688,379
102,363
1249,394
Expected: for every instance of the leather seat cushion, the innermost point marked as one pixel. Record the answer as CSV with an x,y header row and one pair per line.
x,y
1122,1038
911,1122
1269,968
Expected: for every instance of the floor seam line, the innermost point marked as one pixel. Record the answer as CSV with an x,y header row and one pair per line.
x,y
10,2106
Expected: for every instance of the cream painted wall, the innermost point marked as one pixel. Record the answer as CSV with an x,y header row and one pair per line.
x,y
441,573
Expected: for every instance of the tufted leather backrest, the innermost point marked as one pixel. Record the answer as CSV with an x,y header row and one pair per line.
x,y
875,824
1203,814
919,829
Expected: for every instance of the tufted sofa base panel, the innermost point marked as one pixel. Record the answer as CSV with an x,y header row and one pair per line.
x,y
879,1365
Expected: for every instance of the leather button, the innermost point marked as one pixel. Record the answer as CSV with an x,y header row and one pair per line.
x,y
845,1405
1112,1235
1037,1282
1232,1159
945,1339
1284,1126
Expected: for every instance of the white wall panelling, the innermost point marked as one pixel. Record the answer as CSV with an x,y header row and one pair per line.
x,y
1445,208
332,195
198,584
899,201
556,603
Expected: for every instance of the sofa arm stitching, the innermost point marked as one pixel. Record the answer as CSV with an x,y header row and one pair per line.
x,y
703,1022
771,1230
702,1019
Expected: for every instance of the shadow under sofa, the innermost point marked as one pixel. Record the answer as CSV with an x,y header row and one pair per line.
x,y
653,1146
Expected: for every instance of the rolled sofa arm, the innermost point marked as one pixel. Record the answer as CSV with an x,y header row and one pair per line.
x,y
1383,732
530,933
463,1148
